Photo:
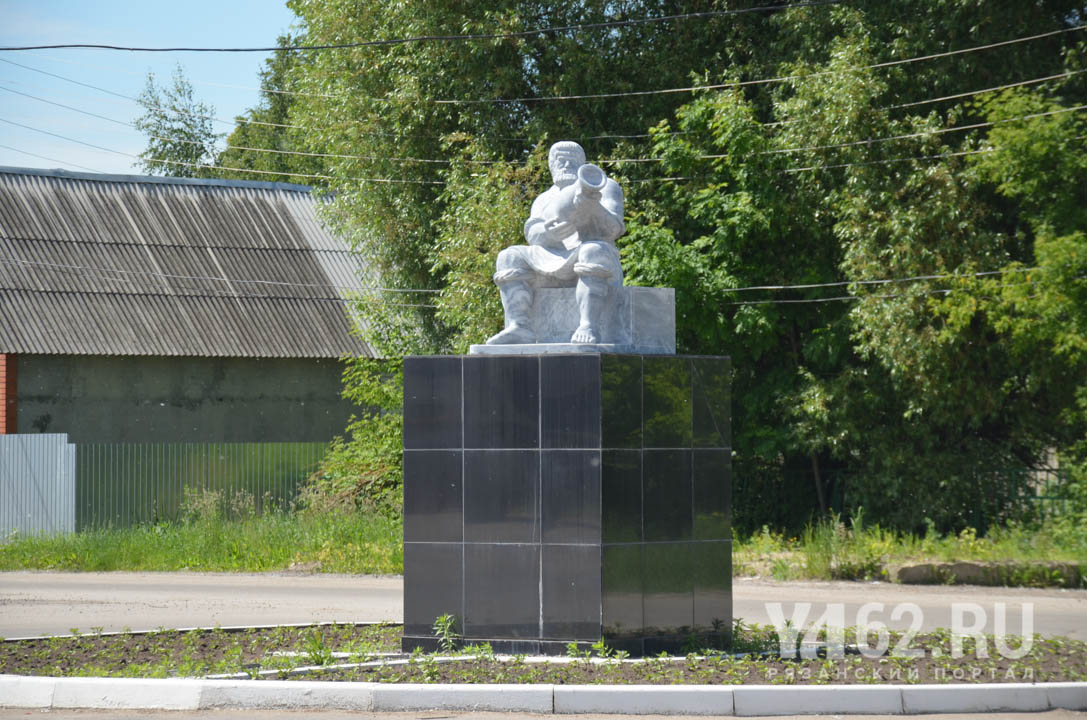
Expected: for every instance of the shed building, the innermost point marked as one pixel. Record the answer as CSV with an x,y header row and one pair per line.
x,y
145,309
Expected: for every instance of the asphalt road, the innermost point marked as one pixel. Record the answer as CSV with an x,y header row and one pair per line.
x,y
45,603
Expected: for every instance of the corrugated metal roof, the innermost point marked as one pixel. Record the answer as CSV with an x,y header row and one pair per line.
x,y
133,265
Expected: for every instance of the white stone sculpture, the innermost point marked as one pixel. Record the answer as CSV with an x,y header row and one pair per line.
x,y
571,266
571,233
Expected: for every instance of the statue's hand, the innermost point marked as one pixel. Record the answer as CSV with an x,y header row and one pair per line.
x,y
559,229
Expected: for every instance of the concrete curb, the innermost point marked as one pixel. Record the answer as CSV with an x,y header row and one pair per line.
x,y
17,691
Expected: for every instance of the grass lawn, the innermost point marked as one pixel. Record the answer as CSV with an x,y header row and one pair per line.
x,y
327,542
832,549
361,543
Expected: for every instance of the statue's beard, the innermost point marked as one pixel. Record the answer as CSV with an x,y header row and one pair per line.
x,y
562,179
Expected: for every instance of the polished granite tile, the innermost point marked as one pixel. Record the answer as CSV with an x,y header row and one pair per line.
x,y
501,401
571,592
621,401
432,496
622,590
667,482
712,494
500,495
433,585
667,414
711,393
621,496
570,404
713,586
432,402
669,585
502,591
570,496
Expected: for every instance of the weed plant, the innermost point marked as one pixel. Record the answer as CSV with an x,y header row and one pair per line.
x,y
279,652
238,534
857,550
209,538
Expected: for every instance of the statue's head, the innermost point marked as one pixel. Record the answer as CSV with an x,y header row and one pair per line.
x,y
564,158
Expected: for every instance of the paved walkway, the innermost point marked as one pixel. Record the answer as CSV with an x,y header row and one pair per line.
x,y
41,603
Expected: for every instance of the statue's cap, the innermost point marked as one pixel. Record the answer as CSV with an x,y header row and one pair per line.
x,y
566,147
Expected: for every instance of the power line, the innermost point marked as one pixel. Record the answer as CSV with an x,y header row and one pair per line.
x,y
9,260
69,107
431,38
232,123
615,161
136,100
1066,74
231,296
643,93
909,136
180,163
750,288
969,93
840,298
42,157
887,161
749,83
844,283
441,182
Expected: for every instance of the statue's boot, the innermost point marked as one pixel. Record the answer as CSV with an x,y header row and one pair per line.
x,y
517,302
592,295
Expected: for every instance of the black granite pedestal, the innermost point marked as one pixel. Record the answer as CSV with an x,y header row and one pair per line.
x,y
552,499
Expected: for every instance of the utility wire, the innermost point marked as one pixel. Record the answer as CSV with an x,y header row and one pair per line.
x,y
227,296
749,83
845,283
941,291
909,136
42,157
615,161
442,182
887,161
9,260
1066,74
581,27
689,89
180,163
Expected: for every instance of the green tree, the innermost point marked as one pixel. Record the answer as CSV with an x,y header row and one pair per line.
x,y
264,141
180,135
898,398
908,399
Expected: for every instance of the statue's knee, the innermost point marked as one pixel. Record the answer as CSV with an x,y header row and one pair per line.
x,y
511,259
511,266
597,260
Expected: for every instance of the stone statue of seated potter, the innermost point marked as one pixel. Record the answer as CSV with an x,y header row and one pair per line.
x,y
563,291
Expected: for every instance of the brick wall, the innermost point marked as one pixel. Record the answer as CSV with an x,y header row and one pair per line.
x,y
8,407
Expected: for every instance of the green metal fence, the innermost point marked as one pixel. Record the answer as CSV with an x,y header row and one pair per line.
x,y
125,484
1019,494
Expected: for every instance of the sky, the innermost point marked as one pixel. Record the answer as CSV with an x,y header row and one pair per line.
x,y
229,82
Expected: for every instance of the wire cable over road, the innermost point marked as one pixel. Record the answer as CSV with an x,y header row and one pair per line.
x,y
579,27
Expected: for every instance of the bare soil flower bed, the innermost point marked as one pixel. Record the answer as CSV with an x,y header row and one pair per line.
x,y
371,653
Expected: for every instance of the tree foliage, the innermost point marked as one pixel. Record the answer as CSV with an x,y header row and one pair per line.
x,y
180,135
264,141
907,397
